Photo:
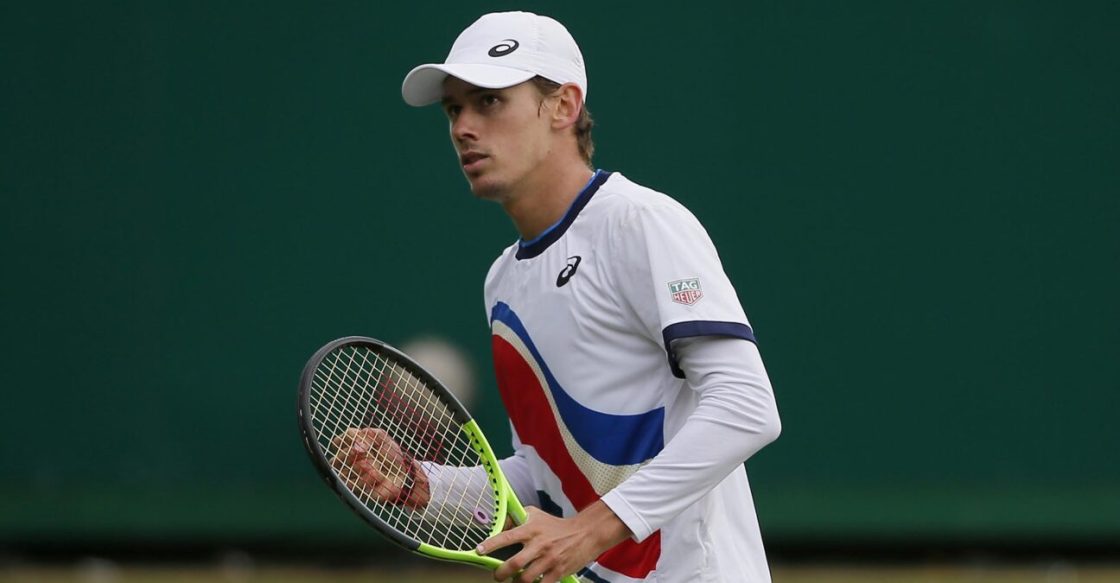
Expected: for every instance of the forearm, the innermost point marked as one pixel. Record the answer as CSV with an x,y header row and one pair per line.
x,y
602,526
457,491
736,416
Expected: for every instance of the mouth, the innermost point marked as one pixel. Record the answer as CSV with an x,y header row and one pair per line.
x,y
471,160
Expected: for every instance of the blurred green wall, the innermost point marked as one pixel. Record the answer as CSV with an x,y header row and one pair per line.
x,y
917,201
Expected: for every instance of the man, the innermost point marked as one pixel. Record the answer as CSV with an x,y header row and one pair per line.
x,y
625,361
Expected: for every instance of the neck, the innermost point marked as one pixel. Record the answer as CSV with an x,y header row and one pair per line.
x,y
544,198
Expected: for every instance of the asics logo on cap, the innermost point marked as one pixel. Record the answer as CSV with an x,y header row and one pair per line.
x,y
504,48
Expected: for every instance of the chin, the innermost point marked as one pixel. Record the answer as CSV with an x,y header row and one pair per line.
x,y
486,189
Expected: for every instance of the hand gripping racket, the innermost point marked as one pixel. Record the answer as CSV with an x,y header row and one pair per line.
x,y
397,447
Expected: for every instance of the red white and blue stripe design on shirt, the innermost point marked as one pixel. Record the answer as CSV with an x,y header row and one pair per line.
x,y
590,451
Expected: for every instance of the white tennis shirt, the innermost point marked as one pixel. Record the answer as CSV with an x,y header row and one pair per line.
x,y
629,372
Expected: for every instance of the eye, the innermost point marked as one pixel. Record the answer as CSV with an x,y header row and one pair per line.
x,y
452,111
489,100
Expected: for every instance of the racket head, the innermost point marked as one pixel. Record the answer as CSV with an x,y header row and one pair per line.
x,y
360,382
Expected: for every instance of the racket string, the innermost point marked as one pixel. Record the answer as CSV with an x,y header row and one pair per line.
x,y
354,403
357,388
475,478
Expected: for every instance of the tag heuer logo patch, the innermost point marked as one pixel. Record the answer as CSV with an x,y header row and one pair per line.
x,y
686,291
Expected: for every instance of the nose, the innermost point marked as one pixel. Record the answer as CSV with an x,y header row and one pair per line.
x,y
464,127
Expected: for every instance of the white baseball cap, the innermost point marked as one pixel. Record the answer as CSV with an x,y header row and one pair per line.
x,y
500,50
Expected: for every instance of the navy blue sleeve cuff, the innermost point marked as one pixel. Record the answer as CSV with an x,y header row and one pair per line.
x,y
701,328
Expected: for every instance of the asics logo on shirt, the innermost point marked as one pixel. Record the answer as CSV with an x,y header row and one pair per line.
x,y
568,271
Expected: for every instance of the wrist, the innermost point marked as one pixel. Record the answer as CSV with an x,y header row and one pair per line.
x,y
603,525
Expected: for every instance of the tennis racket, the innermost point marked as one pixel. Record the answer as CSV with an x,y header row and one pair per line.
x,y
401,451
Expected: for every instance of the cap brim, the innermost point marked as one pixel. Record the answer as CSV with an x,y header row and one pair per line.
x,y
424,84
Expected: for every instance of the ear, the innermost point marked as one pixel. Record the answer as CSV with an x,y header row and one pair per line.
x,y
569,102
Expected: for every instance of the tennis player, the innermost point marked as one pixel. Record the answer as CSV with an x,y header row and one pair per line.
x,y
624,359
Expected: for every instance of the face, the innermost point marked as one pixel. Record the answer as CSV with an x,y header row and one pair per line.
x,y
501,136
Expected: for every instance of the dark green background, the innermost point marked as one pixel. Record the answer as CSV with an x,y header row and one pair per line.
x,y
917,201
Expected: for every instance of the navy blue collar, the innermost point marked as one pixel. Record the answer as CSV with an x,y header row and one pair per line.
x,y
537,245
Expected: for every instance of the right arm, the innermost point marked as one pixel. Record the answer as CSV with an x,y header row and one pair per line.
x,y
371,463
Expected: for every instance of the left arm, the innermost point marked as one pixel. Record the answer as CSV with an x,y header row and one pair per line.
x,y
736,416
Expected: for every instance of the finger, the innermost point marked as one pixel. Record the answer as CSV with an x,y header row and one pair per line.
x,y
387,469
343,440
368,471
386,447
351,464
343,466
349,444
387,491
371,475
370,486
356,454
376,436
356,472
500,541
533,571
378,443
514,567
542,569
388,485
364,441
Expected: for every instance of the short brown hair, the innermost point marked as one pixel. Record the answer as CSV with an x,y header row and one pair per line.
x,y
583,124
